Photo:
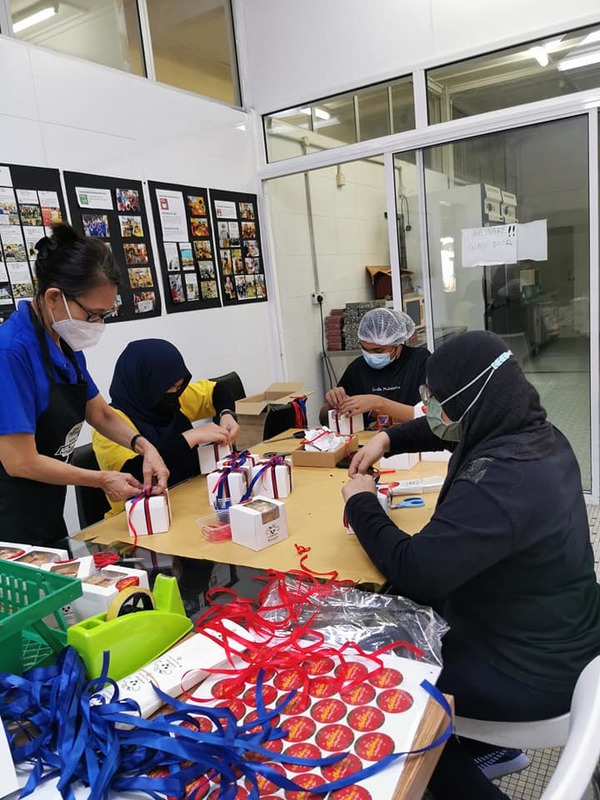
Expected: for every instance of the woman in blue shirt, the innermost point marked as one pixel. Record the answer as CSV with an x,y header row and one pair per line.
x,y
48,392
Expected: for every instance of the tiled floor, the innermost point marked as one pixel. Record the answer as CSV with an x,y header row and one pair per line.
x,y
529,784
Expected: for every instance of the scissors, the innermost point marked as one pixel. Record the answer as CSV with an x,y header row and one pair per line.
x,y
408,502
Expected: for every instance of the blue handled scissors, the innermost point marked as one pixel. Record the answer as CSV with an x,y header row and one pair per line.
x,y
408,502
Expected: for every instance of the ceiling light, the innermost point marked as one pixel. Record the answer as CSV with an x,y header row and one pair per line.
x,y
540,55
35,19
553,45
320,113
575,62
590,38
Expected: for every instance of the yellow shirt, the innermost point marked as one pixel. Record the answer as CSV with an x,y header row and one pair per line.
x,y
195,402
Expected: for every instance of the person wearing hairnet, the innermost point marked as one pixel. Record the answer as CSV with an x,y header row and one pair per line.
x,y
506,557
384,382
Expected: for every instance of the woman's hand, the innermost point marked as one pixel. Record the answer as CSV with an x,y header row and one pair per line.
x,y
231,426
207,434
119,485
365,458
358,484
359,404
335,397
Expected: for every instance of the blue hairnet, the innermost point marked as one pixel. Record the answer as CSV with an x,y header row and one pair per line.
x,y
386,327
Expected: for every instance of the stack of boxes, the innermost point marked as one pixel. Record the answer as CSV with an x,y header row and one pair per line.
x,y
334,329
352,317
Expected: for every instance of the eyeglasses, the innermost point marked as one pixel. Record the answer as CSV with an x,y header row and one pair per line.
x,y
94,316
425,393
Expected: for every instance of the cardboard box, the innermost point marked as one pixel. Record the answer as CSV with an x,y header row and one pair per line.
x,y
209,456
252,411
259,523
402,461
303,458
345,425
156,509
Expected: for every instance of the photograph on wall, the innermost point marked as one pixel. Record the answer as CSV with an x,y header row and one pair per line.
x,y
30,200
113,211
185,237
239,252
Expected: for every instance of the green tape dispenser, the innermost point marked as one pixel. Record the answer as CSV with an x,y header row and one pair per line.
x,y
137,628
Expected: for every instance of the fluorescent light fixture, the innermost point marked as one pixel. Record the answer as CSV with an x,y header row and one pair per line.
x,y
241,126
553,45
444,240
575,62
540,55
34,19
320,113
592,37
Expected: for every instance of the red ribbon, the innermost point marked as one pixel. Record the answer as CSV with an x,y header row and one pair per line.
x,y
145,496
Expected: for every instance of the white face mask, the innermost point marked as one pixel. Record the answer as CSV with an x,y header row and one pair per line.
x,y
77,333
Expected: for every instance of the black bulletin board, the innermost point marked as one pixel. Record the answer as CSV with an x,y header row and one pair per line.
x,y
31,199
237,238
186,246
113,210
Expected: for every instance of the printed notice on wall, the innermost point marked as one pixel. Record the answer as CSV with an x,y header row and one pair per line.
x,y
173,221
92,197
496,244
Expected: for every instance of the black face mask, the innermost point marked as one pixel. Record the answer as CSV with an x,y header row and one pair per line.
x,y
168,403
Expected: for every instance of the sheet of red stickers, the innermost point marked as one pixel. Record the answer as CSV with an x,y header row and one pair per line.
x,y
374,716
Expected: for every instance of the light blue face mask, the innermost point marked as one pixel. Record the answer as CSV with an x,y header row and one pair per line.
x,y
451,431
377,360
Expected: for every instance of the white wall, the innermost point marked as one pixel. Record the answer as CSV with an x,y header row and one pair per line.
x,y
297,51
60,112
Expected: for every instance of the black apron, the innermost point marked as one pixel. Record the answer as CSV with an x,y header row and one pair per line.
x,y
32,512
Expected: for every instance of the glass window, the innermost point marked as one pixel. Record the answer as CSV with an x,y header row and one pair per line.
x,y
193,47
104,31
344,119
539,303
534,71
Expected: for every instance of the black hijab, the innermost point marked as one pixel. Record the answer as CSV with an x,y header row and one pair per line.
x,y
143,373
506,421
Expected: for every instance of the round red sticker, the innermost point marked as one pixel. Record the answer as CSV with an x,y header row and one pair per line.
x,y
318,665
308,781
366,718
289,679
352,671
252,675
301,750
394,701
358,695
386,678
202,724
241,794
229,687
347,766
334,737
328,710
323,686
266,786
253,715
351,793
374,746
237,708
198,789
274,745
297,704
298,729
269,693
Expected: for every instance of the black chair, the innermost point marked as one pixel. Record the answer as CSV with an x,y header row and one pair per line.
x,y
279,419
234,383
91,503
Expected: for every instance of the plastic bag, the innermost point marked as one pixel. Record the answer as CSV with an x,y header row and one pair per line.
x,y
371,620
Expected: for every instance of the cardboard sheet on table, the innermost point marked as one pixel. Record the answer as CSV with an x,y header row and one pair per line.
x,y
315,520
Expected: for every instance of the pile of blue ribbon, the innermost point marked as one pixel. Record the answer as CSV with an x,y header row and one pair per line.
x,y
52,725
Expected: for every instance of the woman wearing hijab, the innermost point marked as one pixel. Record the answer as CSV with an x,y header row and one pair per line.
x,y
506,557
151,390
384,381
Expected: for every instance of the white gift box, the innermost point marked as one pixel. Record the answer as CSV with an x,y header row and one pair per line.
x,y
259,523
226,487
100,588
437,455
11,550
148,514
399,461
210,454
80,568
245,461
345,425
36,556
275,481
419,410
383,502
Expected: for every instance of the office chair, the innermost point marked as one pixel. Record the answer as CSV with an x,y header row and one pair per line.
x,y
91,503
576,731
234,383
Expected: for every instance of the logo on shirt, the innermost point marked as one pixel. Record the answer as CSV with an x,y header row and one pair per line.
x,y
65,451
386,388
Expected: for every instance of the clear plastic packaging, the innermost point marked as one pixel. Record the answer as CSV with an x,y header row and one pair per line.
x,y
215,527
370,620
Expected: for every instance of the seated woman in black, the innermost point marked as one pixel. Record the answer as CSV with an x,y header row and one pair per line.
x,y
383,383
151,389
506,556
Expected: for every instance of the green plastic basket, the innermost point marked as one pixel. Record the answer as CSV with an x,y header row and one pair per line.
x,y
27,596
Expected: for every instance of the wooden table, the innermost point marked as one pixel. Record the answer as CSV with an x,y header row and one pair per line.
x,y
314,514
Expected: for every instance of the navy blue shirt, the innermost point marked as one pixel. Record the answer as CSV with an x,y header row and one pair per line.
x,y
25,386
